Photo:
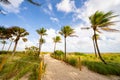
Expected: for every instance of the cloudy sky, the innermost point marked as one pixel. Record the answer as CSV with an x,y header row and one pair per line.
x,y
54,14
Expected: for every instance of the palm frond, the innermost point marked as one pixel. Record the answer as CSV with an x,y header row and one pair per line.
x,y
109,29
34,3
86,28
107,23
98,31
5,1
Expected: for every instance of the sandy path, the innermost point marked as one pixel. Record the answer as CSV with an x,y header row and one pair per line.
x,y
58,70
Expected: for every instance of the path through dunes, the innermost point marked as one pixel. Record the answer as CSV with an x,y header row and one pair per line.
x,y
58,70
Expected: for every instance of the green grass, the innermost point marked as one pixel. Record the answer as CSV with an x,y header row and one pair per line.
x,y
20,65
99,67
94,63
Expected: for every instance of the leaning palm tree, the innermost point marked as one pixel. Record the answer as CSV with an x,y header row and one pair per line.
x,y
3,42
93,39
42,32
66,31
11,41
101,20
56,40
18,33
4,33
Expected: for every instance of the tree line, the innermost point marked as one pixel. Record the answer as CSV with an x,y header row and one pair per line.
x,y
99,21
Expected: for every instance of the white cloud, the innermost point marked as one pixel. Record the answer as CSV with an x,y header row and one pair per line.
x,y
66,6
48,9
13,7
110,41
54,19
91,6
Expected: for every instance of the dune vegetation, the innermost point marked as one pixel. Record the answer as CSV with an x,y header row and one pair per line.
x,y
93,63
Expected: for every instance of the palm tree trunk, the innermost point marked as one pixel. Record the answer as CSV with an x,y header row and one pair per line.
x,y
40,49
65,49
39,52
3,47
54,47
95,48
10,46
14,48
98,49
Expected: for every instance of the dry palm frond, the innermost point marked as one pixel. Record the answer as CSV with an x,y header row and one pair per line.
x,y
109,29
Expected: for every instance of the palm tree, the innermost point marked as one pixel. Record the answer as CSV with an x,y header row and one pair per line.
x,y
93,39
101,20
56,40
3,42
11,39
66,31
41,32
18,33
4,34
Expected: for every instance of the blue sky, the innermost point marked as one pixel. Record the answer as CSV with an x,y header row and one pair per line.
x,y
54,14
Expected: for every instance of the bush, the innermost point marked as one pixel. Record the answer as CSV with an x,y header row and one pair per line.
x,y
18,68
59,52
79,54
99,67
72,61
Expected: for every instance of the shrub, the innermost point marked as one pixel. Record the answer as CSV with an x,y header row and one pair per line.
x,y
99,67
72,61
59,52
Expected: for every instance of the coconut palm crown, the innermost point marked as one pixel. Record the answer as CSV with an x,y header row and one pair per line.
x,y
56,39
18,33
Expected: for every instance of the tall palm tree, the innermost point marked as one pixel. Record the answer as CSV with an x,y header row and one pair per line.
x,y
100,20
42,32
93,39
18,33
66,31
3,42
56,40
